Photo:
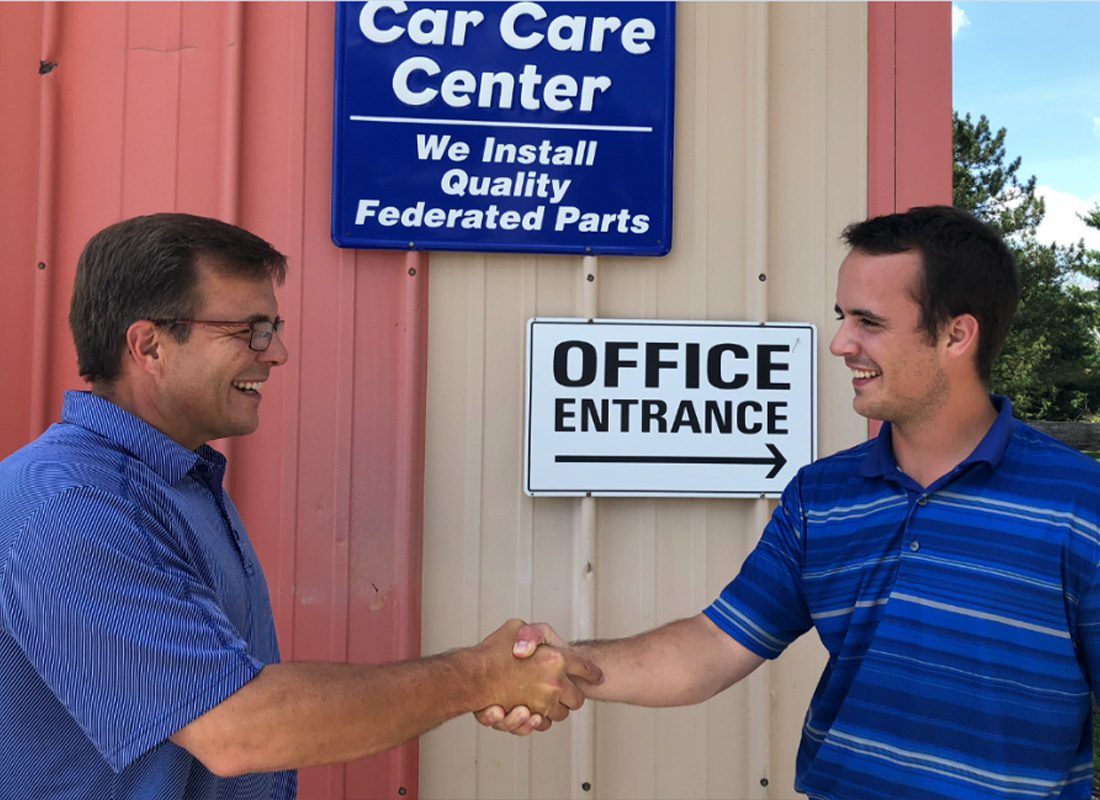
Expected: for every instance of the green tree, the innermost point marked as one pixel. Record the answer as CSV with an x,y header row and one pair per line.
x,y
1092,219
1050,366
988,187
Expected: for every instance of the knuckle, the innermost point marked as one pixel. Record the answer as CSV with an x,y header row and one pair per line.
x,y
554,658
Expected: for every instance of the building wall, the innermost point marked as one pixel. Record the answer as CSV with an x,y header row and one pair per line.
x,y
225,109
770,164
116,109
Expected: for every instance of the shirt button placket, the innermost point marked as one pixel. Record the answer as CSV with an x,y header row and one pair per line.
x,y
914,545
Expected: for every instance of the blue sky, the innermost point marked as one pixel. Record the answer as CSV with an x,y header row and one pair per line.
x,y
1034,68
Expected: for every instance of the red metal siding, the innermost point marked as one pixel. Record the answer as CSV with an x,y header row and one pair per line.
x,y
909,149
225,110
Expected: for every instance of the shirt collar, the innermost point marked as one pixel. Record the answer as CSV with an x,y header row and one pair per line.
x,y
880,461
165,456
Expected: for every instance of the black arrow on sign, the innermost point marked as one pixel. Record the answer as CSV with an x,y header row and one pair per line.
x,y
777,460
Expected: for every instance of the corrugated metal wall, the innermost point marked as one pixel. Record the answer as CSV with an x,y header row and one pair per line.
x,y
115,109
226,110
771,163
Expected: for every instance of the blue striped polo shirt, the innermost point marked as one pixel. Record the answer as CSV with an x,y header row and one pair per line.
x,y
962,620
131,602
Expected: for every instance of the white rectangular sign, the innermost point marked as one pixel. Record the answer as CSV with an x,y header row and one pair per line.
x,y
649,407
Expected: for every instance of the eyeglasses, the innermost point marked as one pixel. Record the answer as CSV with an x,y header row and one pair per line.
x,y
260,331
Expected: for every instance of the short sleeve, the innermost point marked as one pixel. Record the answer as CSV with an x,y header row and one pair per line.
x,y
763,608
1088,631
129,640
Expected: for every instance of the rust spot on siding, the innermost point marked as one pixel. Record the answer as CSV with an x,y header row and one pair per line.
x,y
378,599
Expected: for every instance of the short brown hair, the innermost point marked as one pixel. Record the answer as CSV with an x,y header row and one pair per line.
x,y
147,268
966,268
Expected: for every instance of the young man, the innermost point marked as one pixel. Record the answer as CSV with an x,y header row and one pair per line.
x,y
949,565
137,645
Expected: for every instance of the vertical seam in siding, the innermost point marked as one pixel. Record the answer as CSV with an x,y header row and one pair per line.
x,y
758,683
179,121
229,194
230,172
42,327
409,533
882,108
124,87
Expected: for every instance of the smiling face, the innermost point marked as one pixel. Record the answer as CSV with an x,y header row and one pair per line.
x,y
211,385
898,376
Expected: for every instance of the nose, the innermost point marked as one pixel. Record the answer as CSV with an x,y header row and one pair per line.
x,y
276,353
842,344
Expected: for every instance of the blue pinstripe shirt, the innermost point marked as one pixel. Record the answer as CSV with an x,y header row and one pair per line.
x,y
961,619
131,602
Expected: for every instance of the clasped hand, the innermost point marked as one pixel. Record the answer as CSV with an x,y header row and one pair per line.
x,y
539,645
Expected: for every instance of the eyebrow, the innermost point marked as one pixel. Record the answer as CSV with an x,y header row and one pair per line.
x,y
860,312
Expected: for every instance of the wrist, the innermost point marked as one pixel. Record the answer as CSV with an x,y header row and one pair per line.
x,y
475,676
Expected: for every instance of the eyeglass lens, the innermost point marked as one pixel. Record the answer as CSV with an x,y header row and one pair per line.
x,y
262,332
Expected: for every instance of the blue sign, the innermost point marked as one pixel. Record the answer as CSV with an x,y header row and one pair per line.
x,y
513,127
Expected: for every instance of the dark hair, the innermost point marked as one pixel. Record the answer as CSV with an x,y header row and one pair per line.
x,y
147,268
966,269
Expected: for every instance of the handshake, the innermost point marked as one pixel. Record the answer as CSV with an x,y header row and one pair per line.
x,y
534,678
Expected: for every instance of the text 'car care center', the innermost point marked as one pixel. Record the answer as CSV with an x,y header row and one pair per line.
x,y
515,127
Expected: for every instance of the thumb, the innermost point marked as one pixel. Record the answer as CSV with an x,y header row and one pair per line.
x,y
529,637
524,648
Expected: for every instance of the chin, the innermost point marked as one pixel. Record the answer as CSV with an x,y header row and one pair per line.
x,y
240,429
868,410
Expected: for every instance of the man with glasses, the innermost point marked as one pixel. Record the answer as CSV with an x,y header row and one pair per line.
x,y
137,644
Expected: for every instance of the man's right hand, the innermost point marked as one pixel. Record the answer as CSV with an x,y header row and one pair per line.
x,y
528,668
519,719
681,663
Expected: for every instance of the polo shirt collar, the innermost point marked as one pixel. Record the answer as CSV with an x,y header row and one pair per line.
x,y
880,462
165,456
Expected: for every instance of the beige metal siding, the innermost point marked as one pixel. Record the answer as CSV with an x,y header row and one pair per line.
x,y
771,133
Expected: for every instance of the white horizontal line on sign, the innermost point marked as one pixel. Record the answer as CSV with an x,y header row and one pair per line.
x,y
490,124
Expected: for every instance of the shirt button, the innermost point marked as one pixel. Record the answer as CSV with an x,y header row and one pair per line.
x,y
914,545
923,501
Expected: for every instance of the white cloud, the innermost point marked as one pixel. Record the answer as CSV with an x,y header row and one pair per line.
x,y
959,20
1096,124
1062,225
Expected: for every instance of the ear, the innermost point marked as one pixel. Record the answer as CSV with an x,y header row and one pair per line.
x,y
961,337
143,346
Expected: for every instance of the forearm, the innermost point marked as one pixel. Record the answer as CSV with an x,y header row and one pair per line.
x,y
681,663
304,714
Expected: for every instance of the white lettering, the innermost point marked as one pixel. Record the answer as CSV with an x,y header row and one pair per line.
x,y
459,183
621,221
426,25
637,34
420,215
365,209
434,147
508,25
566,33
572,34
557,93
401,80
600,26
372,31
457,87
